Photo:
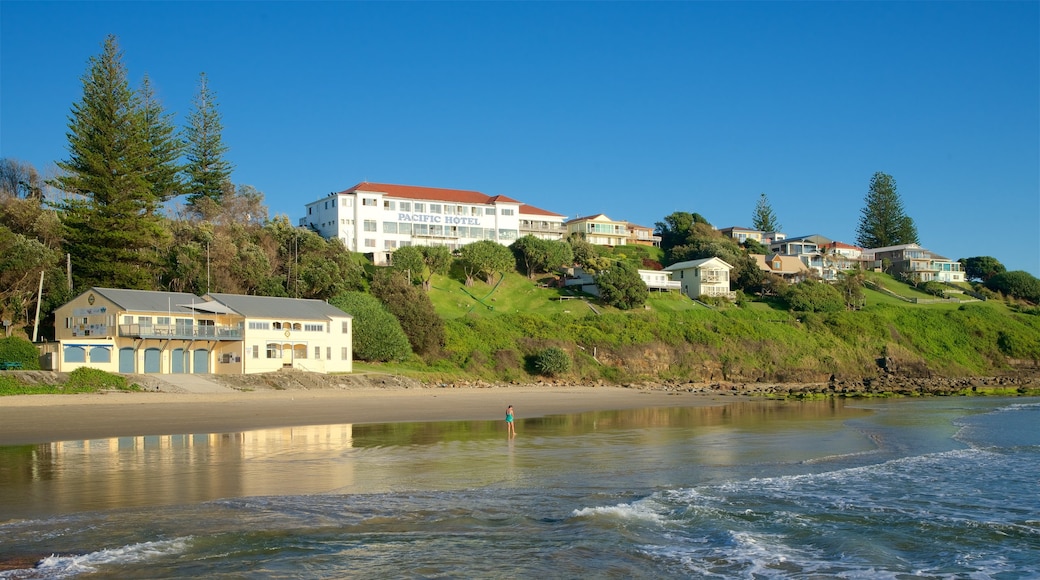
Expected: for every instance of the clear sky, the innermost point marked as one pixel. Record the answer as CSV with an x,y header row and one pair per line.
x,y
635,110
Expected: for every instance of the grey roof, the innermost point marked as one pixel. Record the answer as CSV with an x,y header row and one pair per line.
x,y
272,307
149,300
695,263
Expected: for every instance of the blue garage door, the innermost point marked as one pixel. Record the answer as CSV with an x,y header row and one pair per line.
x,y
177,361
151,360
200,361
126,360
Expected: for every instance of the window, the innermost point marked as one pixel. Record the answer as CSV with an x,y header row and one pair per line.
x,y
489,211
346,326
344,353
370,225
310,210
389,244
404,228
314,327
388,205
295,326
507,211
128,320
389,227
449,210
368,201
328,353
436,230
317,353
277,325
164,320
406,206
274,350
256,351
370,243
100,354
254,325
75,354
420,229
476,211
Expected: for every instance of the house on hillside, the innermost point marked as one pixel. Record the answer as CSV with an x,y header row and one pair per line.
x,y
913,261
742,235
659,280
705,277
642,236
140,331
599,230
790,268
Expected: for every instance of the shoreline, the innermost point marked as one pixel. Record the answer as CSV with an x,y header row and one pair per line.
x,y
36,419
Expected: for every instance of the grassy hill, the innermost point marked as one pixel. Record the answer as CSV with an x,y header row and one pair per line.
x,y
495,332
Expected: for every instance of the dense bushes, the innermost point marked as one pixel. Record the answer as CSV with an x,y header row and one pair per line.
x,y
377,333
14,349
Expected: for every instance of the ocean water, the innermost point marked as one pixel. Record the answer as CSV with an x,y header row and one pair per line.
x,y
922,488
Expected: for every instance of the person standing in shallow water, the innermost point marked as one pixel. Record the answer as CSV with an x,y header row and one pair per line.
x,y
510,430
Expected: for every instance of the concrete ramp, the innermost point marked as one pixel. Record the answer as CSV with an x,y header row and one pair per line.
x,y
192,383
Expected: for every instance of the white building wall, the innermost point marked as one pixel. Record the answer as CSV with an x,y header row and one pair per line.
x,y
378,224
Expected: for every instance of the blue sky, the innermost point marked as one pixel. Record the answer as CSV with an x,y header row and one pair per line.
x,y
635,110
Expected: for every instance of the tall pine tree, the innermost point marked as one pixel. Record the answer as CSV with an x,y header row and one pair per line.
x,y
164,146
883,222
209,174
111,219
764,220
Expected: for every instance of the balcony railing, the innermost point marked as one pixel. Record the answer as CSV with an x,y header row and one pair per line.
x,y
170,331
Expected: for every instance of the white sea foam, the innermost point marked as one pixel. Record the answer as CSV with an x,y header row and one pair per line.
x,y
56,566
645,509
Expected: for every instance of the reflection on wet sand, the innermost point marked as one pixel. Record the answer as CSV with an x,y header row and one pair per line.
x,y
76,476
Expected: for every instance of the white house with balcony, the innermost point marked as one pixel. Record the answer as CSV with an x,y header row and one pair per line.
x,y
659,280
913,261
704,277
141,331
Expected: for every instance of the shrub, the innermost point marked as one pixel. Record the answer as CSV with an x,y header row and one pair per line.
x,y
377,333
552,361
86,379
15,349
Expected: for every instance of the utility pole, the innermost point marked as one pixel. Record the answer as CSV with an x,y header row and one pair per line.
x,y
39,298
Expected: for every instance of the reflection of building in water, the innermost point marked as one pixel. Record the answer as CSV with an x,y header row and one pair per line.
x,y
175,469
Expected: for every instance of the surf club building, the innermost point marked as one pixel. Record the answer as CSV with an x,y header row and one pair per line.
x,y
378,218
141,331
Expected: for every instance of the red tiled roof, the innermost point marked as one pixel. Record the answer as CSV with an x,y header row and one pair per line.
x,y
429,193
528,209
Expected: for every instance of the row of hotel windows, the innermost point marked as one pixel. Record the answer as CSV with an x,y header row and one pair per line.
x,y
422,207
256,325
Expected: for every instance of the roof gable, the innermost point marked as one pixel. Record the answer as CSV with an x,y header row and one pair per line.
x,y
148,300
694,264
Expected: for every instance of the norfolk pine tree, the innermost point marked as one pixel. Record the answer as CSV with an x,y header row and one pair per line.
x,y
164,146
764,220
111,222
882,221
207,171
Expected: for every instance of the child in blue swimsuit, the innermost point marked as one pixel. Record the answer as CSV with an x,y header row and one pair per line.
x,y
509,421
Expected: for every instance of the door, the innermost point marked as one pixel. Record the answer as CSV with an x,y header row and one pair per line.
x,y
126,360
177,361
200,361
151,360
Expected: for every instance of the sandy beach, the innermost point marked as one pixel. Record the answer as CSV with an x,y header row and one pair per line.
x,y
33,419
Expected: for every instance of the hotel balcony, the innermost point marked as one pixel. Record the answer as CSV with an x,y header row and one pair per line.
x,y
169,331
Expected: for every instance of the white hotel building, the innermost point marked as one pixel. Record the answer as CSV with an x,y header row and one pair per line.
x,y
378,218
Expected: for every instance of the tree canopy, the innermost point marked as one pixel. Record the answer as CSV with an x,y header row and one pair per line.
x,y
110,215
209,174
621,287
883,222
763,219
981,267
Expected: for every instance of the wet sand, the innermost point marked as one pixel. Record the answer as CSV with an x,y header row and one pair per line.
x,y
30,419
